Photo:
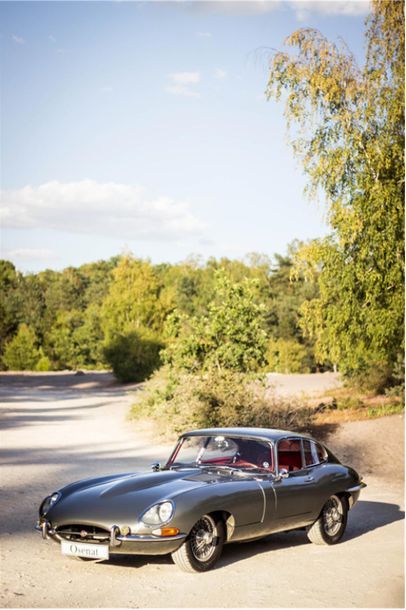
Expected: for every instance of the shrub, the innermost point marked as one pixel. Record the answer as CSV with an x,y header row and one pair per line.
x,y
133,356
21,353
375,378
287,356
215,398
44,363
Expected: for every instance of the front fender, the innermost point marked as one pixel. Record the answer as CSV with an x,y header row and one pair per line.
x,y
243,500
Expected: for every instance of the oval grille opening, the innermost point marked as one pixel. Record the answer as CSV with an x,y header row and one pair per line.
x,y
83,533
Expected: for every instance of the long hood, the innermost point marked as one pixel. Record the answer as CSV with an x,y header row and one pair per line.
x,y
122,499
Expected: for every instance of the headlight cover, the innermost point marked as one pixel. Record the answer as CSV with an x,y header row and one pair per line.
x,y
158,514
48,503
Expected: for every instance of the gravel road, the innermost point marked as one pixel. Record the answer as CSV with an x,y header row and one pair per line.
x,y
60,428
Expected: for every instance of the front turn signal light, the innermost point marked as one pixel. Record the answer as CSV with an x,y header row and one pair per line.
x,y
166,531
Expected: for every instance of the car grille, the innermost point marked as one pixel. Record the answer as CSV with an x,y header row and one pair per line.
x,y
83,533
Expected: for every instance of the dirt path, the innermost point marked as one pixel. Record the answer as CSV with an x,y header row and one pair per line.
x,y
56,429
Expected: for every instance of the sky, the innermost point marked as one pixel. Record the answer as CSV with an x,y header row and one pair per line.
x,y
144,127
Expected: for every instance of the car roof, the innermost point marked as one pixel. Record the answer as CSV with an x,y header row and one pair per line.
x,y
269,434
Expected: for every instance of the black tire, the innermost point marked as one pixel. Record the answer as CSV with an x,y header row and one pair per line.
x,y
202,548
330,526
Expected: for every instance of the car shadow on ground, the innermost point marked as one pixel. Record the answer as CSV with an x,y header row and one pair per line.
x,y
367,516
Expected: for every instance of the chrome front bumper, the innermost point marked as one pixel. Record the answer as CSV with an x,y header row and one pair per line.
x,y
133,543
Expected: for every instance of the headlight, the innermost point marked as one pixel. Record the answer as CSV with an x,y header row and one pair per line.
x,y
48,503
158,514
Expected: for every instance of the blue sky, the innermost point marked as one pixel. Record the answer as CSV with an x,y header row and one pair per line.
x,y
144,126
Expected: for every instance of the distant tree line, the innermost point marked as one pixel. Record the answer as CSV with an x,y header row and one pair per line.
x,y
121,313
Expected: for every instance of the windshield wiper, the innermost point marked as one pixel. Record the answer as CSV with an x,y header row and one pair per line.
x,y
230,469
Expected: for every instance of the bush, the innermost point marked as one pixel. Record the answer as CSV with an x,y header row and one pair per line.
x,y
44,363
21,353
133,356
374,378
287,356
215,398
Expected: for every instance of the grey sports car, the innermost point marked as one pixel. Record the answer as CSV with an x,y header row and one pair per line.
x,y
219,485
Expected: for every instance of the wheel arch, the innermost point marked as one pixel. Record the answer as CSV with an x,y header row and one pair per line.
x,y
227,518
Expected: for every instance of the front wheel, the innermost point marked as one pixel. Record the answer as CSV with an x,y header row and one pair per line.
x,y
330,526
203,546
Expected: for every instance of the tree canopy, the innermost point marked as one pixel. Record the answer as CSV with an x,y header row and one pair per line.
x,y
347,126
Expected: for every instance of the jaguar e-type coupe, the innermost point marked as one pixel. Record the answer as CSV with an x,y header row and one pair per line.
x,y
219,485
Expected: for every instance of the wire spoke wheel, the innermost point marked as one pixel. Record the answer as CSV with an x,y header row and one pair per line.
x,y
203,546
203,539
333,516
330,526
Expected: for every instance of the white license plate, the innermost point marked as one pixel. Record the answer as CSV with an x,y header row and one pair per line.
x,y
83,549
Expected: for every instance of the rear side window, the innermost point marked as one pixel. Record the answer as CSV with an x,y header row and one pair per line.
x,y
313,453
321,453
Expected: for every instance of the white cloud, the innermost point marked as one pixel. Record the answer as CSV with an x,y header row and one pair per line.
x,y
349,8
302,8
185,78
52,38
30,254
233,7
18,39
219,73
87,206
203,34
183,83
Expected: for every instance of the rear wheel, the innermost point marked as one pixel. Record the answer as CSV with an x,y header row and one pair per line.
x,y
203,546
330,526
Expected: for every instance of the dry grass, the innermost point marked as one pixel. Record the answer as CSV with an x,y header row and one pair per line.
x,y
349,404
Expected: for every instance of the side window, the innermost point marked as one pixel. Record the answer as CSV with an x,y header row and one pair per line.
x,y
290,454
321,453
313,452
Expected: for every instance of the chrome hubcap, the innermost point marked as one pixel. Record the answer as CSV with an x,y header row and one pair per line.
x,y
203,539
333,516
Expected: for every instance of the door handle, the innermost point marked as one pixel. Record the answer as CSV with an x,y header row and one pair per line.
x,y
309,479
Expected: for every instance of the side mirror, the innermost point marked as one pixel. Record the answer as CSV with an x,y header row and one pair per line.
x,y
156,466
282,474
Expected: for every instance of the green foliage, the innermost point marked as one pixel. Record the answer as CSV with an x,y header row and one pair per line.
x,y
385,410
10,302
76,312
350,138
230,336
21,353
132,302
133,356
44,363
214,398
287,356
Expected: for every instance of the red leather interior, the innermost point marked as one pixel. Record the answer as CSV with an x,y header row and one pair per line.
x,y
290,460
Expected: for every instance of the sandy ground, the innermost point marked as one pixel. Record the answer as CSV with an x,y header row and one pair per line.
x,y
301,385
59,428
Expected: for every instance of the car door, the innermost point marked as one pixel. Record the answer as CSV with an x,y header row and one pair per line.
x,y
296,492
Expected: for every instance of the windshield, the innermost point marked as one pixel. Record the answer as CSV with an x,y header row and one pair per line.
x,y
222,451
